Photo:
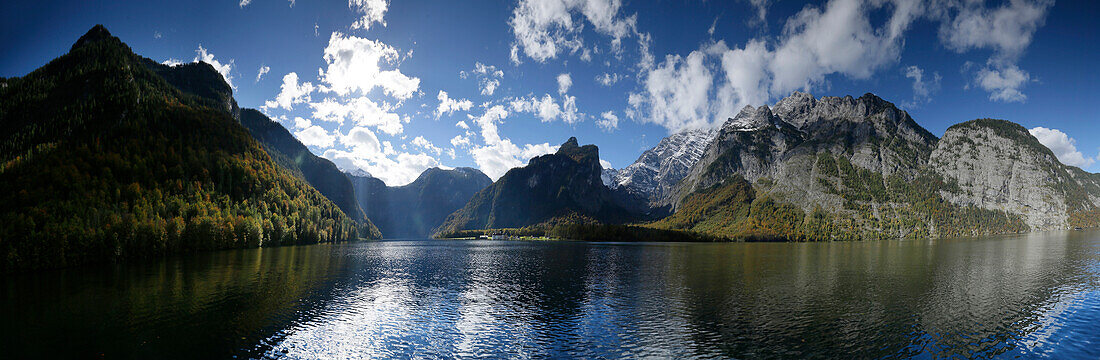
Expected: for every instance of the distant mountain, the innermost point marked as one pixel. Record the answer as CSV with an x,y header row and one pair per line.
x,y
416,209
291,154
848,168
657,170
553,187
105,155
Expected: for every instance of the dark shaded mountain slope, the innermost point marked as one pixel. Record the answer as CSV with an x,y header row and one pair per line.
x,y
417,209
102,158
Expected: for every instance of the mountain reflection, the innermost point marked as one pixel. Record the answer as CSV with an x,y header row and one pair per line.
x,y
1012,296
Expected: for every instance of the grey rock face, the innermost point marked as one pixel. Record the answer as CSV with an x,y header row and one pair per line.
x,y
658,169
782,145
998,165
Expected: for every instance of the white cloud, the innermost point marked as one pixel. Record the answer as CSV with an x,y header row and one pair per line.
x,y
1063,146
605,164
371,11
564,82
172,62
761,7
1003,83
923,86
488,86
1007,30
245,3
460,141
362,111
364,151
608,121
301,124
290,93
447,105
607,79
711,83
488,77
426,145
497,155
545,28
355,64
546,109
315,136
201,54
263,70
462,124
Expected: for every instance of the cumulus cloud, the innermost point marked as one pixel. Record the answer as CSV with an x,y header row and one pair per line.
x,y
1006,30
301,124
370,12
462,124
1063,146
290,93
497,155
447,105
362,111
244,3
426,145
709,84
1003,83
354,64
315,136
201,54
564,82
608,121
545,28
923,85
263,71
547,109
365,152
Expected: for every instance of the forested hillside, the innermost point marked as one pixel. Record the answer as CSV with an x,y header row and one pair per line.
x,y
102,159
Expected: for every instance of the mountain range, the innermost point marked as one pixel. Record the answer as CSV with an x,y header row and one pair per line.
x,y
111,156
416,209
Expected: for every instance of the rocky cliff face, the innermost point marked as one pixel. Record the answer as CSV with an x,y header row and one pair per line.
x,y
782,145
998,165
416,209
566,183
864,168
657,170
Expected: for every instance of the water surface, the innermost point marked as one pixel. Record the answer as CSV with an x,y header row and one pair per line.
x,y
1027,296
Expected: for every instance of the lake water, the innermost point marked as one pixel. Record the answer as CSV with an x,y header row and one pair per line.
x,y
1024,296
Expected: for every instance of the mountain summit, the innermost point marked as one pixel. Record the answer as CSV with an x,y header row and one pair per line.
x,y
551,187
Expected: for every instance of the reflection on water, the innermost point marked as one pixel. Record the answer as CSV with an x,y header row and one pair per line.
x,y
1030,296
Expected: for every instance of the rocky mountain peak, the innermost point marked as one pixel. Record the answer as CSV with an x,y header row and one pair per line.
x,y
95,34
579,153
752,118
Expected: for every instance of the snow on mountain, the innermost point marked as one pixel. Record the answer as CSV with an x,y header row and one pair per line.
x,y
659,168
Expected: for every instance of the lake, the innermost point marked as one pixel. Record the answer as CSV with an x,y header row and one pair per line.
x,y
1035,295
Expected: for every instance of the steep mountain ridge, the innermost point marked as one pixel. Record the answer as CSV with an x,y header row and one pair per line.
x,y
857,168
566,184
416,209
105,159
657,170
291,154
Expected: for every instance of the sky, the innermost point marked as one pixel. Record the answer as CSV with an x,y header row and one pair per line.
x,y
396,87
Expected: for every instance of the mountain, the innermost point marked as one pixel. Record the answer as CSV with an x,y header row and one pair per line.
x,y
562,186
859,168
657,170
998,165
416,209
105,155
292,155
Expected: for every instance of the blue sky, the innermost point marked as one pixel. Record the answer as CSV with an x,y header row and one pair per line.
x,y
396,87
